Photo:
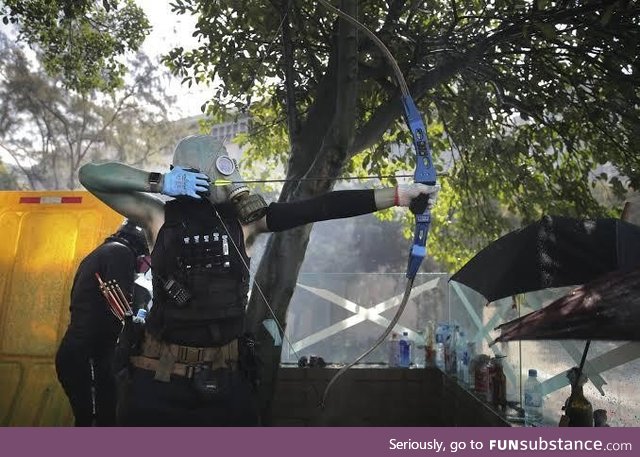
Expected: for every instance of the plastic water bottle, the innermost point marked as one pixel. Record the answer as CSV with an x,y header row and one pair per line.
x,y
462,358
405,350
393,351
430,345
533,400
418,353
141,316
470,376
450,359
440,356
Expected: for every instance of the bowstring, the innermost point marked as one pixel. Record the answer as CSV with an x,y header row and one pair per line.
x,y
262,294
404,89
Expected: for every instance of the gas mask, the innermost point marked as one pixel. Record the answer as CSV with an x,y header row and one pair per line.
x,y
209,156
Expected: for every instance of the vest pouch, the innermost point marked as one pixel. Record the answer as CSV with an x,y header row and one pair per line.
x,y
204,281
211,384
176,292
215,298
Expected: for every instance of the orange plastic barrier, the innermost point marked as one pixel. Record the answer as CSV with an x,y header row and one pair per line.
x,y
43,238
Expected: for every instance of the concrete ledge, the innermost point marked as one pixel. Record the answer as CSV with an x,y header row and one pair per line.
x,y
378,397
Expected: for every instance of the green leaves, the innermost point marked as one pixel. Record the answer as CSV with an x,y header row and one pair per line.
x,y
81,42
525,101
50,131
547,30
546,94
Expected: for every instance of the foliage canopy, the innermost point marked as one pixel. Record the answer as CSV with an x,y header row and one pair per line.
x,y
526,101
50,131
82,41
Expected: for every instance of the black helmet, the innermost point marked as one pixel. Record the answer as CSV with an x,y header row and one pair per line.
x,y
133,236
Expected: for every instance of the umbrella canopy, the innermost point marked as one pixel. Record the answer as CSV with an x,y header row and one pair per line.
x,y
607,308
553,252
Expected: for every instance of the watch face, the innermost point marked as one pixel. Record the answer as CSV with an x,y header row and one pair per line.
x,y
225,165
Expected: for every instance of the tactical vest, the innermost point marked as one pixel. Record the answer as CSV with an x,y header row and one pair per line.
x,y
196,252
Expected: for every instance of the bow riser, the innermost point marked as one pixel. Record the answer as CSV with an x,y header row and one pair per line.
x,y
425,173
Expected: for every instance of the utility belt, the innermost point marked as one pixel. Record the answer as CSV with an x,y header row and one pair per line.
x,y
166,359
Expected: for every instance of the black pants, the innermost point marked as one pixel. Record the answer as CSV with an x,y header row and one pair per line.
x,y
85,390
147,402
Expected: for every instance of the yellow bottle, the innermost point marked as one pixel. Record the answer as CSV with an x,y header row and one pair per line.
x,y
577,408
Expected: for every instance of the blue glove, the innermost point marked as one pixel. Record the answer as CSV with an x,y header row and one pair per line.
x,y
185,182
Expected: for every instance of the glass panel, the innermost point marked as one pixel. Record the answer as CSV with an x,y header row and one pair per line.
x,y
339,316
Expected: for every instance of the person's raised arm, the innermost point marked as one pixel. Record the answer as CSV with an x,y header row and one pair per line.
x,y
126,189
116,177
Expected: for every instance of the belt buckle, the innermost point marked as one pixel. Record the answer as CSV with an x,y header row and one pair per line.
x,y
189,355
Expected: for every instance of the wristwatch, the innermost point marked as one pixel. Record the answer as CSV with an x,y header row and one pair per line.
x,y
155,182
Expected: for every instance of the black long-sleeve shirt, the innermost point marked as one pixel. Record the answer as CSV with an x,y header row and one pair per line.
x,y
90,339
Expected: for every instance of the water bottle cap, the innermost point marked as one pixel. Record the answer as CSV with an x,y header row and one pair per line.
x,y
533,372
142,313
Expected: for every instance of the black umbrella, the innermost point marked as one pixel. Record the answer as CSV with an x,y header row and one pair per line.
x,y
553,252
607,308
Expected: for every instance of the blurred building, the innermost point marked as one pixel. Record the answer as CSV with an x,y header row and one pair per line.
x,y
227,131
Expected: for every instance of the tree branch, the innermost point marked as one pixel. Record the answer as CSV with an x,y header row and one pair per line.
x,y
369,133
288,60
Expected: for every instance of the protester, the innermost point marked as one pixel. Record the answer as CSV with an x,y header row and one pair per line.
x,y
195,365
84,358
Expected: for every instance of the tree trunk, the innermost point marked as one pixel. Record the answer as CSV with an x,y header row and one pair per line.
x,y
332,121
